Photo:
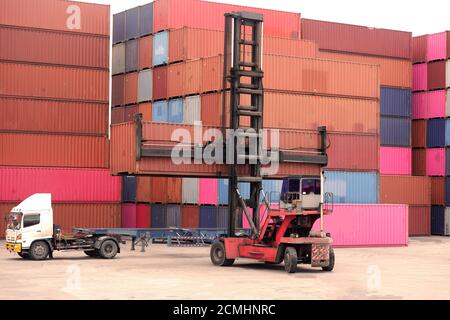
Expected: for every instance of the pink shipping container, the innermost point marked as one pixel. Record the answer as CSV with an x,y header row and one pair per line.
x,y
128,215
435,162
379,225
208,191
396,161
437,46
429,105
420,77
65,185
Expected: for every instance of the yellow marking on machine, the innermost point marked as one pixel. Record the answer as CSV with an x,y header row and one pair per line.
x,y
13,247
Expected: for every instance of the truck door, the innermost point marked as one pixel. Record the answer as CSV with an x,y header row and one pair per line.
x,y
31,228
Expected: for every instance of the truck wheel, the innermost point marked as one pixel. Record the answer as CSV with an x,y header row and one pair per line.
x,y
92,253
108,249
290,260
331,265
39,250
24,255
218,255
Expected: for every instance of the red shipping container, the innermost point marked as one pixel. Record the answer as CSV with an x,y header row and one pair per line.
x,y
437,191
143,216
53,47
69,16
189,216
65,185
128,215
436,162
419,133
174,14
405,190
358,39
419,221
29,80
174,194
419,49
118,90
41,150
131,88
117,115
35,115
143,189
160,83
159,193
145,52
419,162
130,111
436,75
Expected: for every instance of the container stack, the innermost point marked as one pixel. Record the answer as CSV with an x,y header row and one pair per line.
x,y
54,92
431,127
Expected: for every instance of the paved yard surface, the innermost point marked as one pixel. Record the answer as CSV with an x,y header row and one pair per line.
x,y
420,271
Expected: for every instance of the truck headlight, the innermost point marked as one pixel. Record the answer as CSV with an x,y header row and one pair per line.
x,y
19,236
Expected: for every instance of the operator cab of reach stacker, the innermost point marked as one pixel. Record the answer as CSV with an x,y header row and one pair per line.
x,y
301,194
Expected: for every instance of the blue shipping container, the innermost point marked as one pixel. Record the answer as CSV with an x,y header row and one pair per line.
x,y
131,55
208,217
352,187
244,189
222,217
396,102
447,132
160,48
160,111
158,216
222,190
175,111
146,19
438,221
436,133
173,216
272,188
132,23
128,189
395,131
119,27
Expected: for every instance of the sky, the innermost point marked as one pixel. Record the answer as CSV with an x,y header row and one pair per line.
x,y
419,17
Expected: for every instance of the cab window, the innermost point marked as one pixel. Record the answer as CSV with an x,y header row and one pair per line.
x,y
31,220
310,186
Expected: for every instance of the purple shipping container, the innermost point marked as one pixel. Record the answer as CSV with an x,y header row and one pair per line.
x,y
395,131
436,133
395,102
129,215
128,188
173,213
158,216
119,27
208,217
222,217
447,162
146,19
132,23
131,55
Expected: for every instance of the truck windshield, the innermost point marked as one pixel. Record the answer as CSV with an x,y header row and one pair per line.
x,y
14,220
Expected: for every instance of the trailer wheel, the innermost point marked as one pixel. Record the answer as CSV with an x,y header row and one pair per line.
x,y
108,249
92,253
332,259
39,250
218,255
24,255
290,260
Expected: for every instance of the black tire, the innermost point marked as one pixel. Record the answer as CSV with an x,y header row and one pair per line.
x,y
332,260
218,255
108,249
39,250
290,260
24,255
92,253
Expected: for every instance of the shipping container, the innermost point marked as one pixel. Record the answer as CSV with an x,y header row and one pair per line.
x,y
189,216
41,150
118,58
447,162
190,190
352,187
160,111
68,16
175,111
419,221
447,109
131,55
438,220
174,14
160,48
34,115
118,90
447,72
130,112
174,193
437,191
128,189
129,215
447,191
222,190
436,75
192,109
158,216
395,102
223,217
395,161
132,23
143,219
117,115
447,222
437,46
143,189
428,105
395,131
436,162
184,78
131,88
405,190
436,133
159,83
447,132
272,189
173,216
356,225
146,110
55,82
419,163
65,185
358,39
419,49
145,85
49,47
420,77
145,52
394,72
119,27
208,217
158,187
207,191
146,19
419,133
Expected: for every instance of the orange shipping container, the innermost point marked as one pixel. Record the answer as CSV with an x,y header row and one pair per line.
x,y
29,80
69,16
419,133
405,190
143,189
145,52
53,47
419,162
393,72
42,150
437,191
131,88
419,221
146,110
34,115
184,78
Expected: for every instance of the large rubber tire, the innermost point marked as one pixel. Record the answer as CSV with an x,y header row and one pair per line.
x,y
218,255
332,259
290,260
24,255
108,249
39,250
92,253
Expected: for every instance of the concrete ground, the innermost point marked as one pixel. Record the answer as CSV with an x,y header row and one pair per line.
x,y
420,271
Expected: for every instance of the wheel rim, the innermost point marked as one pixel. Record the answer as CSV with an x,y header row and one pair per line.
x,y
218,253
39,250
108,248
